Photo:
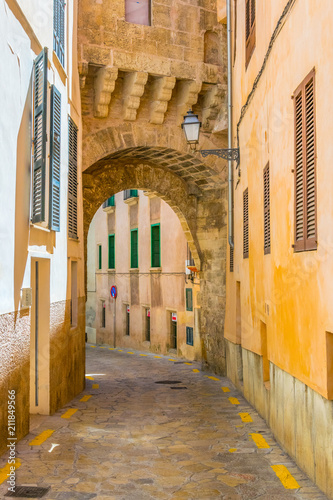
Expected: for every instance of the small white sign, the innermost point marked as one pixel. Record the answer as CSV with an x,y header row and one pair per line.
x,y
26,300
174,317
128,309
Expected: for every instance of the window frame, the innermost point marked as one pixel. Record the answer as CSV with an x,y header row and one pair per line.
x,y
189,304
137,249
250,30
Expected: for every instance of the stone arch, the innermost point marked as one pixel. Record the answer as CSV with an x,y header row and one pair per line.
x,y
212,50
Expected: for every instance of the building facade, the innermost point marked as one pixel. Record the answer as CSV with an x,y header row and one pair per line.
x,y
41,273
279,318
136,243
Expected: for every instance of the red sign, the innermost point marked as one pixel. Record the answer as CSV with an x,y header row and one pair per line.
x,y
113,292
148,313
174,317
128,309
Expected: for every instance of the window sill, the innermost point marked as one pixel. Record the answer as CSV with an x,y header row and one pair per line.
x,y
134,270
155,269
59,68
109,210
132,201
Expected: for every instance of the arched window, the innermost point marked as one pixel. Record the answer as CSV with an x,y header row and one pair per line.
x,y
138,11
212,48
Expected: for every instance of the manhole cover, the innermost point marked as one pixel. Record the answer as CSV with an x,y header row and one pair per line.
x,y
178,388
168,382
27,492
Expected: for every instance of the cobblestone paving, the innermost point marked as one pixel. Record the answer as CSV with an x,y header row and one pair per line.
x,y
135,439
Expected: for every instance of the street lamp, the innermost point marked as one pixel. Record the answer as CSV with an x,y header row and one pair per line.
x,y
191,127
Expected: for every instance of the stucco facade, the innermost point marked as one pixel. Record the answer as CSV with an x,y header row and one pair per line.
x,y
278,326
46,371
144,290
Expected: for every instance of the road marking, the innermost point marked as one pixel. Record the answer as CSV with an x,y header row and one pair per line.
x,y
41,437
89,378
102,346
7,470
130,353
189,364
259,440
288,481
158,357
112,348
213,378
92,346
85,398
246,417
232,450
195,370
120,350
95,386
225,389
234,401
170,359
143,354
69,413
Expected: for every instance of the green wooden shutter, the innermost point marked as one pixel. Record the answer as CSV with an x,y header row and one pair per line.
x,y
40,138
155,246
134,249
112,251
55,146
59,29
189,299
72,179
99,256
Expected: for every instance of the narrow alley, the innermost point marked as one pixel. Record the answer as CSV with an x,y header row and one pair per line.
x,y
149,426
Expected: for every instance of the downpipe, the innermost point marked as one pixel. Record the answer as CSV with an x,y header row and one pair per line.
x,y
230,166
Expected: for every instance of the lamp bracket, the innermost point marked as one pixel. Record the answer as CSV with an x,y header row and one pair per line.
x,y
226,154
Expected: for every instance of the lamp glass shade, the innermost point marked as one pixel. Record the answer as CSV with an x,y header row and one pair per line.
x,y
191,127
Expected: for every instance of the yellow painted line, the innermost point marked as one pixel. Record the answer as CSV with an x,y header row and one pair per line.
x,y
92,346
259,440
232,450
288,481
143,354
112,348
120,350
172,359
240,426
89,378
7,470
158,357
213,378
69,413
130,353
189,364
41,437
234,401
95,386
102,346
195,370
85,398
225,389
246,417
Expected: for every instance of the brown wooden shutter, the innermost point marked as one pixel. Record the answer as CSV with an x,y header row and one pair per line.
x,y
250,29
246,223
305,166
267,212
72,179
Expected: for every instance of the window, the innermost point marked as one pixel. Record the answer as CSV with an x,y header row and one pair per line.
x,y
231,258
72,179
130,193
246,223
189,335
189,299
155,246
112,251
138,11
134,249
59,29
250,29
109,202
173,332
305,166
267,212
147,325
103,315
127,330
39,141
99,256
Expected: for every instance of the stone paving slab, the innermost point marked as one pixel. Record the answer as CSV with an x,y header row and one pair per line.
x,y
134,439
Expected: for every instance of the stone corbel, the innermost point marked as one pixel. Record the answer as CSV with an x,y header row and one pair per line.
x,y
134,86
161,95
83,72
104,84
211,105
188,92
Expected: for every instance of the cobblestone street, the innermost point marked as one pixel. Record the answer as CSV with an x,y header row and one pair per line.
x,y
130,437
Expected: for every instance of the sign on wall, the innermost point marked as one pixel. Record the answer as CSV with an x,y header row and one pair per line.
x,y
113,292
128,309
148,313
174,317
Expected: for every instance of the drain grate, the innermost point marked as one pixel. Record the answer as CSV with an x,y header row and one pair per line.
x,y
27,492
178,388
168,382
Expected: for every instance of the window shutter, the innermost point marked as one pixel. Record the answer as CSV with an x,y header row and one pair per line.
x,y
250,29
267,212
55,159
72,179
134,249
231,259
189,301
189,335
305,166
59,29
99,256
155,246
111,251
246,223
40,138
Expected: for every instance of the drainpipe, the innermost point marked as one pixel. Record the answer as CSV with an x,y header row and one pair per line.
x,y
230,167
